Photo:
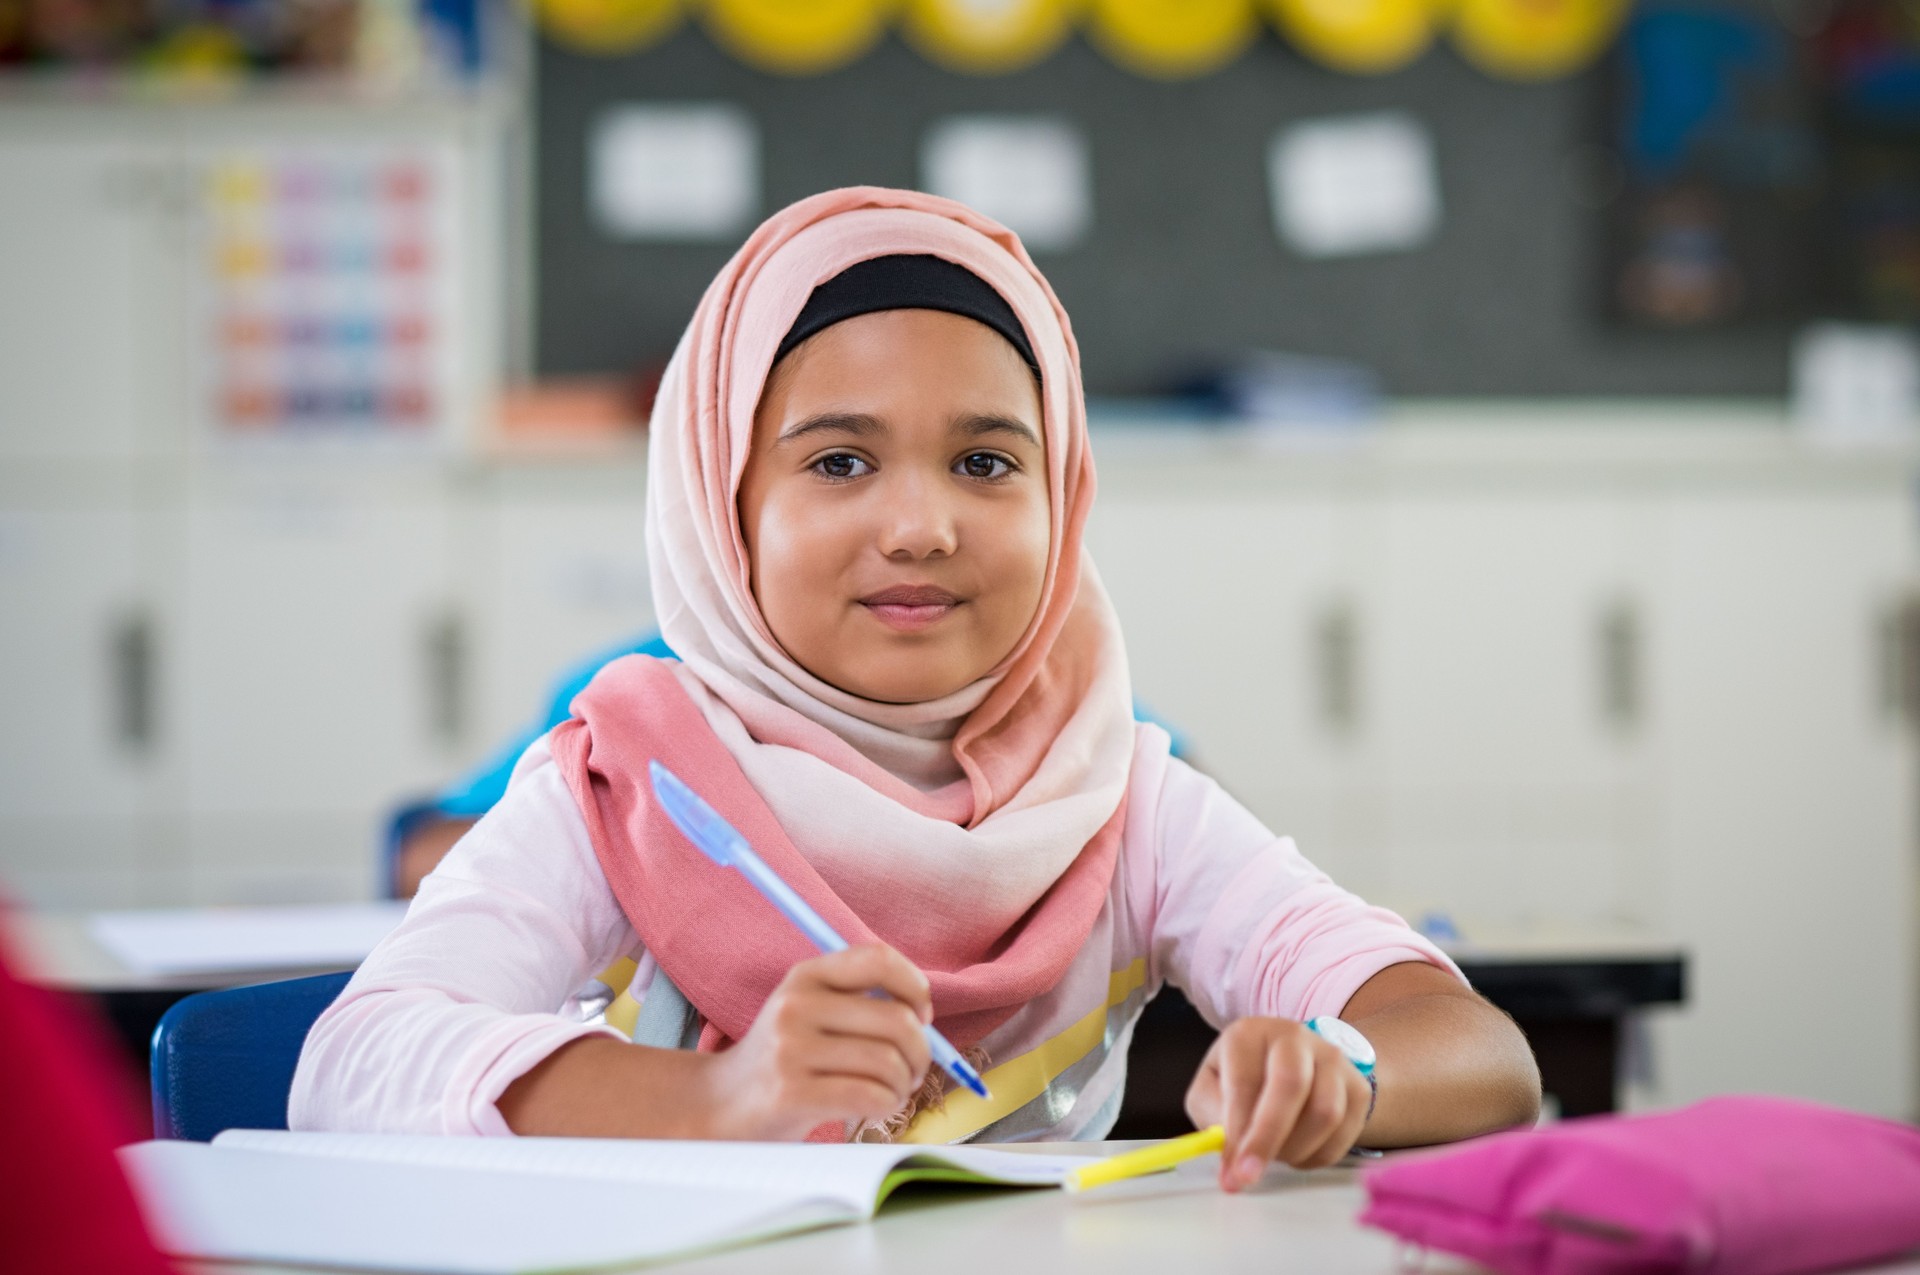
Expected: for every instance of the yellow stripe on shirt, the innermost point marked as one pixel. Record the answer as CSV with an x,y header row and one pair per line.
x,y
624,1011
1018,1081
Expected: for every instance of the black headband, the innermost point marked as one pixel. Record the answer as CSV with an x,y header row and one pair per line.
x,y
907,283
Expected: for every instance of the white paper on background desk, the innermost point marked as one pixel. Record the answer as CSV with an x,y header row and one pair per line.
x,y
245,939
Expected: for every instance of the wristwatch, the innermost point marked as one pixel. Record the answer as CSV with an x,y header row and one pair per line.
x,y
1346,1038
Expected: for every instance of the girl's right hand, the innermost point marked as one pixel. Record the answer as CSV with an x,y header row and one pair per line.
x,y
823,1048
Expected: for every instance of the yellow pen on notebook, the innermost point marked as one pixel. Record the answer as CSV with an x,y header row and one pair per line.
x,y
1153,1159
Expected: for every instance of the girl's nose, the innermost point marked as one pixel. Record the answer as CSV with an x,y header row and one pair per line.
x,y
918,521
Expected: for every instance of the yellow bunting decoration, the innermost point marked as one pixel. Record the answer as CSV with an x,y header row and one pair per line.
x,y
797,37
1173,39
1361,37
988,37
607,26
1534,39
200,53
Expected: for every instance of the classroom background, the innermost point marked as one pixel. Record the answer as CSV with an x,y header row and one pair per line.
x,y
1507,414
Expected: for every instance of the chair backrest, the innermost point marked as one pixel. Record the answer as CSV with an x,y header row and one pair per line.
x,y
225,1059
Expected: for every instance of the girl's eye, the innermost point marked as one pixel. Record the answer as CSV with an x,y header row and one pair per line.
x,y
986,465
840,465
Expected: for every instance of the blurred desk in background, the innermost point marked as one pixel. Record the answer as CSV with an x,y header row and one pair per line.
x,y
65,951
1571,992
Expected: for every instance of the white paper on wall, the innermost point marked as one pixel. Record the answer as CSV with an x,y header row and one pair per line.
x,y
1857,383
674,172
1355,184
1030,173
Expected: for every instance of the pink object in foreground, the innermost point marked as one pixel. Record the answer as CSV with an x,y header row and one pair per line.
x,y
1730,1186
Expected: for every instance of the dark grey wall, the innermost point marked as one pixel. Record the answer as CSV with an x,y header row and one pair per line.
x,y
1182,261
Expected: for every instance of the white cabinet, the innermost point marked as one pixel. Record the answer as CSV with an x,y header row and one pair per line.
x,y
1219,595
1566,677
82,340
1786,835
78,703
282,615
1412,675
559,574
1502,768
88,380
321,675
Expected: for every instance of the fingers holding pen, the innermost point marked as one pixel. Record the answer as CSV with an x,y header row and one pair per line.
x,y
868,992
870,968
841,1037
1280,1093
1336,1113
1267,1087
885,1024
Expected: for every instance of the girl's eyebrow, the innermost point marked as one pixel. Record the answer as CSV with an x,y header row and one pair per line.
x,y
977,425
859,424
862,425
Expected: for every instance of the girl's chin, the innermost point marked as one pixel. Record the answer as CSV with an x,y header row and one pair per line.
x,y
869,680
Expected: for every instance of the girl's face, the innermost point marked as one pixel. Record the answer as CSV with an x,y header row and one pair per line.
x,y
894,503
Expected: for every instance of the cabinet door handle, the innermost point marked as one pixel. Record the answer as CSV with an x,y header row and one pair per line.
x,y
1622,677
444,647
1900,662
1337,657
132,673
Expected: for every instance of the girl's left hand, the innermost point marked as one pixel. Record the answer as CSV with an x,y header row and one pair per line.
x,y
1282,1093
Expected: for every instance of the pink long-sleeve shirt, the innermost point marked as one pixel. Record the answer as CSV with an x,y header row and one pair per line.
x,y
477,984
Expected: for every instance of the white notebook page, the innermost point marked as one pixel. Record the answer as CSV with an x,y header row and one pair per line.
x,y
848,1174
234,1204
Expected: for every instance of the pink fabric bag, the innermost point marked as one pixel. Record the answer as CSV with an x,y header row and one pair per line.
x,y
1732,1186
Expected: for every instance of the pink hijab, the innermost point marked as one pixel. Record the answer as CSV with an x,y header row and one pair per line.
x,y
977,834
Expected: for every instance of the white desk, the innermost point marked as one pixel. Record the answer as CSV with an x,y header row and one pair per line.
x,y
1169,1225
59,951
56,951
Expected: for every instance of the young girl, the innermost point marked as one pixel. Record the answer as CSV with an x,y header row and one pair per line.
x,y
899,676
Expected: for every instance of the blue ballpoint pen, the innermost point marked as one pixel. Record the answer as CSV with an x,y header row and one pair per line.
x,y
720,842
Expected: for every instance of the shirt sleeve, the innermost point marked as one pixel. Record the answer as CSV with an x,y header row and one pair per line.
x,y
464,997
1246,926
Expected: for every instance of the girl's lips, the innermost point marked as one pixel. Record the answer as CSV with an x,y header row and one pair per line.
x,y
910,617
909,608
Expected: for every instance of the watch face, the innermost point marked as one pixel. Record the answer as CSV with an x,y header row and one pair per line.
x,y
1346,1038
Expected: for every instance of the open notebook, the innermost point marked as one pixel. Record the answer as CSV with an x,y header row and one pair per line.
x,y
486,1205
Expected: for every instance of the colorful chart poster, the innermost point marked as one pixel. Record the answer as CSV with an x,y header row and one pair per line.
x,y
330,279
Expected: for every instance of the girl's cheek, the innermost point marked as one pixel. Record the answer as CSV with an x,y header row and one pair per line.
x,y
1036,536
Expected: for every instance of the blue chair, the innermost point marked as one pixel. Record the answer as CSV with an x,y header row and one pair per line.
x,y
225,1059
